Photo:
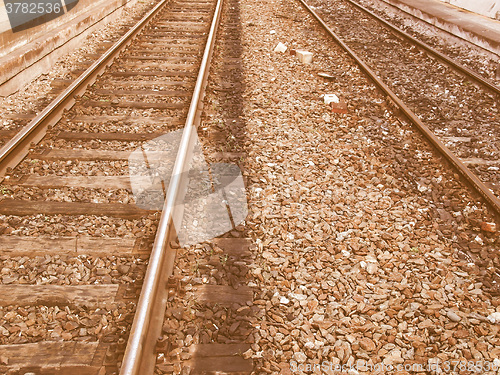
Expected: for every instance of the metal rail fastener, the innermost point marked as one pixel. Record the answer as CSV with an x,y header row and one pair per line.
x,y
15,150
139,357
441,148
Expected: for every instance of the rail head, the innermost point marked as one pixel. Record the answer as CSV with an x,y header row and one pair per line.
x,y
139,357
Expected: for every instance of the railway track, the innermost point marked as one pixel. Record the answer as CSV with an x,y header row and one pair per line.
x,y
482,59
209,320
458,117
78,239
104,299
478,77
433,127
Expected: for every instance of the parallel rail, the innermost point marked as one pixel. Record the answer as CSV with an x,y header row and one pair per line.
x,y
139,355
471,178
443,29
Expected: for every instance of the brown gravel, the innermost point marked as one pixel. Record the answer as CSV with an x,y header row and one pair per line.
x,y
357,227
361,267
119,125
65,270
41,323
69,195
61,225
361,232
71,167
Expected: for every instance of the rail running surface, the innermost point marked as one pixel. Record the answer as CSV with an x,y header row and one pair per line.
x,y
140,354
476,183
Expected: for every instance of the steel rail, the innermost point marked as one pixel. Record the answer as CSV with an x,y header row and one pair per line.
x,y
139,357
14,151
491,199
441,56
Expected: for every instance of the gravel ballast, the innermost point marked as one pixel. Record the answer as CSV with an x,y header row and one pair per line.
x,y
365,245
362,235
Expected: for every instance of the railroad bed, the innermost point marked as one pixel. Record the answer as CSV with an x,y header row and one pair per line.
x,y
75,240
342,257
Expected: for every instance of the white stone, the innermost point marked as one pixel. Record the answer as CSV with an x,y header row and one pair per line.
x,y
284,300
371,268
309,345
317,318
452,316
494,318
258,354
394,357
280,47
304,57
296,296
300,357
331,98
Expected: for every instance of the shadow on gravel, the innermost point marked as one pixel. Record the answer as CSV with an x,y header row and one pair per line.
x,y
209,323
